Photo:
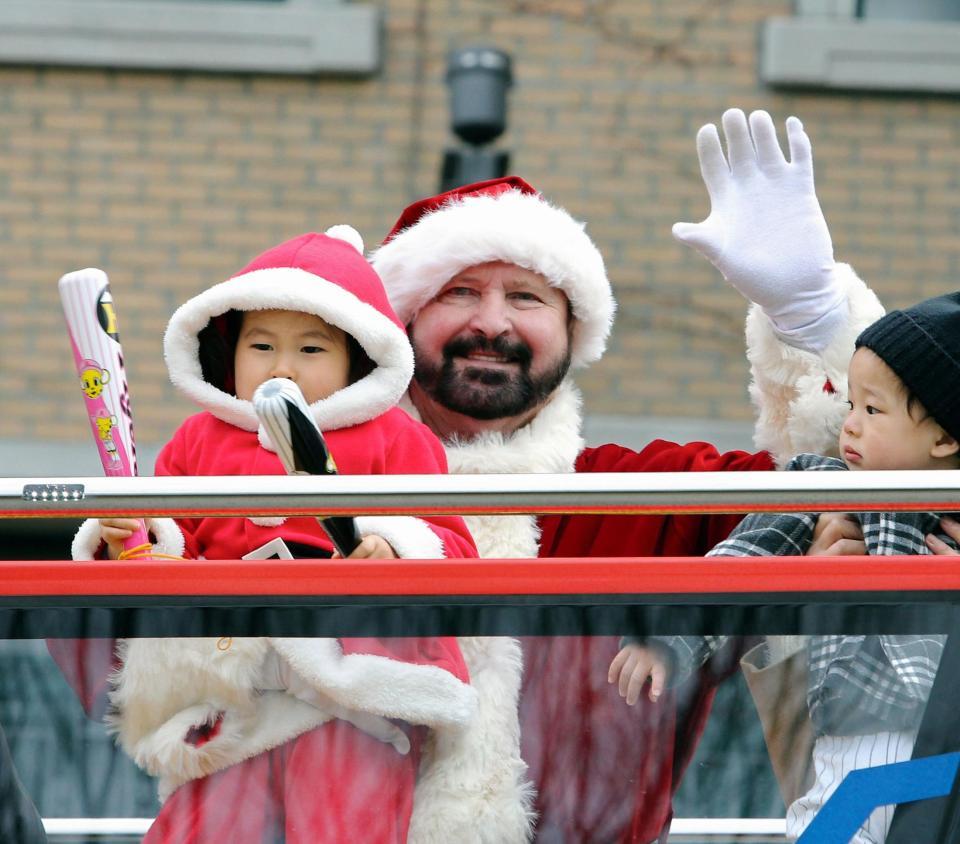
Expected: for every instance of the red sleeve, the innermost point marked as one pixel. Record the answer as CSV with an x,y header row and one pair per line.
x,y
664,456
172,461
647,536
417,451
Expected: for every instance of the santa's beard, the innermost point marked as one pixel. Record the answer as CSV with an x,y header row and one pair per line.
x,y
487,392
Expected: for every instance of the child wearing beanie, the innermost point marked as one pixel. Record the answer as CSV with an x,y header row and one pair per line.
x,y
866,694
287,739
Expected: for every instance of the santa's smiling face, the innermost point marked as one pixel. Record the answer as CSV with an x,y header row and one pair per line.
x,y
493,344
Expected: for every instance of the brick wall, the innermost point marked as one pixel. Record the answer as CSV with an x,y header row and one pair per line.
x,y
172,182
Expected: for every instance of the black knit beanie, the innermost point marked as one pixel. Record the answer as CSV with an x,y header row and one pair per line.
x,y
922,346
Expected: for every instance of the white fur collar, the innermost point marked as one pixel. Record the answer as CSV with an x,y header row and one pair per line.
x,y
550,442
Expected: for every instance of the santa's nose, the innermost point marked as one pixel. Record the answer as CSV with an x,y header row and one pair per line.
x,y
490,317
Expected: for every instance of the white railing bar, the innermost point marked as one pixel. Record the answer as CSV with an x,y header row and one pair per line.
x,y
706,827
96,826
658,492
700,827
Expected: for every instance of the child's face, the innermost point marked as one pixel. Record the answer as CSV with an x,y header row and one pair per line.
x,y
879,432
294,345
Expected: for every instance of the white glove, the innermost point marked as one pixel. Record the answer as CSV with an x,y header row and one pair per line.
x,y
278,675
766,233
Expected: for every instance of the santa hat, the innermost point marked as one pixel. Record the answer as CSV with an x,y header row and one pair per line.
x,y
498,220
321,274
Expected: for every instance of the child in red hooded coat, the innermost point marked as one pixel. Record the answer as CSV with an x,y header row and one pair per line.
x,y
263,739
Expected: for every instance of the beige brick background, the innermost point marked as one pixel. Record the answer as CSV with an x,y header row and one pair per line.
x,y
172,181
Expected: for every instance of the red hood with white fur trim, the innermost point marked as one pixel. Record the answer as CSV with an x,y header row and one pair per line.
x,y
321,274
500,220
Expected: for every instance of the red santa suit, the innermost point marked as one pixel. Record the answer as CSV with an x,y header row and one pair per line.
x,y
603,771
239,759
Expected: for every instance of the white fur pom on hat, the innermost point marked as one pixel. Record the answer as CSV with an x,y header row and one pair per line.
x,y
348,234
499,220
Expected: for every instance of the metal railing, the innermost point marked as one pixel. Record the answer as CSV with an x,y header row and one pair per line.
x,y
610,493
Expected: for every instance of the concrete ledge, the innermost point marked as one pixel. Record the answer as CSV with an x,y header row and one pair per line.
x,y
26,459
29,459
269,37
861,54
636,432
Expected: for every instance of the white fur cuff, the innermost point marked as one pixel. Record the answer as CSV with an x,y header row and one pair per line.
x,y
418,694
87,542
476,790
410,537
801,396
771,352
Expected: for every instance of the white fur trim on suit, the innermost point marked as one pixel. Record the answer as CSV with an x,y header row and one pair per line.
x,y
276,719
795,413
165,687
418,694
408,536
514,227
293,289
550,442
479,774
166,533
473,785
267,521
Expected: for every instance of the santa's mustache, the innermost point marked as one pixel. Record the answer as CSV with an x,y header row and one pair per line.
x,y
512,351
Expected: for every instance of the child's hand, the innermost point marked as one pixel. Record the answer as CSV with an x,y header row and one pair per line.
x,y
632,666
372,547
114,531
837,534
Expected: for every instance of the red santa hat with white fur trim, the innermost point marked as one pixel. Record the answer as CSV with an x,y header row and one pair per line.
x,y
321,274
498,220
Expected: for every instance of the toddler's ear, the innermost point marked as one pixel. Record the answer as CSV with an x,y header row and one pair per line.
x,y
945,445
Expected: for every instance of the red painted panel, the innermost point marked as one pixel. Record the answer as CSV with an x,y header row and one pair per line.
x,y
612,576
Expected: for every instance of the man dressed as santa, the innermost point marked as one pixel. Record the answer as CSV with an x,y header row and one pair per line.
x,y
504,295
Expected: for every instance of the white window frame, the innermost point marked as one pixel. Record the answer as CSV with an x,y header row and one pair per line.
x,y
825,45
292,37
